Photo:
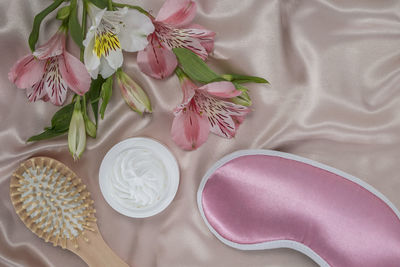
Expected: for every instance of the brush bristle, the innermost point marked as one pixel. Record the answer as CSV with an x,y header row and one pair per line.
x,y
51,201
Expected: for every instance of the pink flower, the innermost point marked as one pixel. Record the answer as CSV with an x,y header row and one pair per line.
x,y
173,29
49,71
206,109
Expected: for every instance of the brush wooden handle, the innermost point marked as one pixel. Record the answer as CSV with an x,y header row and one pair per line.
x,y
96,253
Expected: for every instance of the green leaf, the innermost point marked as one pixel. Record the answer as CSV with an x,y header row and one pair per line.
x,y
219,79
100,3
106,92
244,78
194,66
74,27
47,134
59,124
94,95
34,35
62,118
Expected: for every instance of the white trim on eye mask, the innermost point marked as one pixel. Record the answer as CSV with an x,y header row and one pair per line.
x,y
281,243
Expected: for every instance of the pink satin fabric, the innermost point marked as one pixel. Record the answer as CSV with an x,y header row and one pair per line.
x,y
334,68
254,199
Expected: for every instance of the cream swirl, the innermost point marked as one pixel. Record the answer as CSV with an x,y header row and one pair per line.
x,y
138,178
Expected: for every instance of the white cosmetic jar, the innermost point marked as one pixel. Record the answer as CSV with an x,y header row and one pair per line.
x,y
139,177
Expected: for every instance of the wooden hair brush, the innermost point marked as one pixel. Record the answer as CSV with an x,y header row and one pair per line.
x,y
54,204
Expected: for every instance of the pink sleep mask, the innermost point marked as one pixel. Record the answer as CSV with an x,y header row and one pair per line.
x,y
263,199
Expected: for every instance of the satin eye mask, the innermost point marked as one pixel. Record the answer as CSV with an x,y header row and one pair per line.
x,y
263,199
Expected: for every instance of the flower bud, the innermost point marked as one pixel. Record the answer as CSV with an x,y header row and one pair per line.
x,y
133,94
227,77
90,127
244,98
77,132
63,13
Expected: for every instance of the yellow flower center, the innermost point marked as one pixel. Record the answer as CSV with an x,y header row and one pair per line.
x,y
104,42
105,39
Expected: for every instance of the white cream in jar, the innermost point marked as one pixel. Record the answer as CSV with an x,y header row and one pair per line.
x,y
139,177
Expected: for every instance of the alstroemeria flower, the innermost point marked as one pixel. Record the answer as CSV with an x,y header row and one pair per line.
x,y
206,109
49,71
110,33
173,29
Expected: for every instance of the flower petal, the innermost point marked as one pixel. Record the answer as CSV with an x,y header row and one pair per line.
x,y
96,14
92,62
26,72
188,88
177,12
74,73
238,120
189,129
54,84
133,35
105,68
46,98
221,89
37,91
188,38
89,37
114,58
53,47
206,37
156,61
220,114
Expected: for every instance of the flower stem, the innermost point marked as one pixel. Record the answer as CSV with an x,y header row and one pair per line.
x,y
138,8
119,70
93,101
64,26
78,102
110,5
84,106
180,73
84,17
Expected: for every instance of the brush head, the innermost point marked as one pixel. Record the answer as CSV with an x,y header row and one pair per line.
x,y
52,201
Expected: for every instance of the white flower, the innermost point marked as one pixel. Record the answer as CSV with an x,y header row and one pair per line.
x,y
110,33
